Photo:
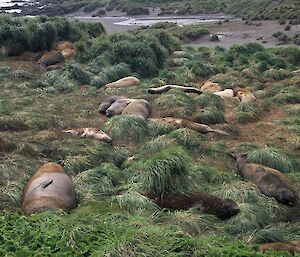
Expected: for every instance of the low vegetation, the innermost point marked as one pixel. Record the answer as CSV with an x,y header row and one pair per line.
x,y
113,217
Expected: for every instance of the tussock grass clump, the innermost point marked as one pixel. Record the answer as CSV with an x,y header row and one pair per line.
x,y
160,127
108,153
290,96
99,181
168,170
196,224
200,69
175,103
247,112
213,176
9,123
277,75
187,137
177,62
111,74
212,115
132,201
157,144
79,74
211,100
126,127
250,217
278,233
273,158
54,82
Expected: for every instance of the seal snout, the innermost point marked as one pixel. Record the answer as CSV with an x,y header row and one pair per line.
x,y
151,91
109,113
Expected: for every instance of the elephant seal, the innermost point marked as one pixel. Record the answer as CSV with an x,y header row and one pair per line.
x,y
68,53
124,82
50,188
292,246
50,58
225,93
182,123
205,203
162,89
139,108
92,133
118,106
271,182
108,101
211,87
64,45
244,95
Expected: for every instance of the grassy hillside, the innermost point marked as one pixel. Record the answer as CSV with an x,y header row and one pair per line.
x,y
113,217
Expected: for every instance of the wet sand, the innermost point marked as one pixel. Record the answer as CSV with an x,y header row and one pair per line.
x,y
232,32
237,32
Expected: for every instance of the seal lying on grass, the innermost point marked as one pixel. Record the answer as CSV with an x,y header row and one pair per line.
x,y
211,87
182,123
139,108
124,82
108,101
92,133
118,106
205,203
163,89
50,188
244,95
51,58
271,182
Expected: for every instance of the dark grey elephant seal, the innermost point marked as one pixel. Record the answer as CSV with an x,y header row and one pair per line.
x,y
118,106
51,58
50,188
139,108
108,101
166,88
205,203
271,182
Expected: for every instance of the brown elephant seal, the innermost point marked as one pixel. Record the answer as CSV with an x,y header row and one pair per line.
x,y
124,82
51,58
68,53
92,133
271,182
139,108
292,246
64,45
162,89
205,203
211,87
182,123
108,101
50,188
118,106
244,95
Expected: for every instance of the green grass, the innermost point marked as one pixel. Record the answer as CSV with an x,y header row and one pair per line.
x,y
212,115
174,103
188,138
113,217
168,170
247,113
273,158
126,127
211,100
